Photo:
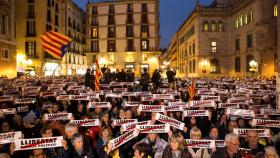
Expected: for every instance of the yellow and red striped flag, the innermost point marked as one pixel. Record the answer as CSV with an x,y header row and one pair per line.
x,y
191,90
97,76
55,44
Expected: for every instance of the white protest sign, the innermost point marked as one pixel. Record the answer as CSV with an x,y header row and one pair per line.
x,y
174,108
99,105
163,96
151,108
200,143
147,98
220,143
203,103
212,98
6,98
120,122
128,94
120,90
25,101
196,113
22,108
78,97
241,113
47,106
266,123
131,104
123,139
76,88
10,137
241,132
178,103
38,143
58,116
87,122
173,122
229,105
47,94
130,126
164,128
62,97
113,95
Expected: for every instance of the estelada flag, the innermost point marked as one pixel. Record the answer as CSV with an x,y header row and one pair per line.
x,y
97,76
55,44
191,90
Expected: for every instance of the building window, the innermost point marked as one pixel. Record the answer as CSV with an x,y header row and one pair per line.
x,y
111,9
214,66
193,68
129,8
30,49
94,10
237,44
69,22
94,21
237,64
56,20
56,7
4,54
111,46
144,56
144,18
111,32
144,44
130,45
213,26
94,46
129,19
144,30
94,33
190,67
49,19
111,20
144,7
220,26
251,16
275,10
48,27
112,57
190,49
245,19
30,28
275,62
31,13
249,41
129,31
249,58
213,47
193,49
49,3
2,24
205,26
236,23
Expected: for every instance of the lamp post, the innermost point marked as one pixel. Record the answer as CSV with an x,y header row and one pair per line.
x,y
253,67
203,65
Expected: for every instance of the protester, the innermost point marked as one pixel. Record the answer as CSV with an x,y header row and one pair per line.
x,y
145,80
270,152
88,79
81,150
195,134
171,78
141,151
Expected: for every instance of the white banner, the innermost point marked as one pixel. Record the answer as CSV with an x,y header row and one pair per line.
x,y
130,126
38,143
120,122
120,90
62,97
78,97
147,98
241,113
173,122
241,132
47,106
163,96
76,88
128,94
22,109
196,113
127,83
5,98
229,105
113,95
212,98
10,137
200,143
183,104
203,103
25,101
266,123
220,143
131,104
87,122
174,108
123,139
8,111
58,116
269,111
99,105
239,101
151,108
47,94
164,128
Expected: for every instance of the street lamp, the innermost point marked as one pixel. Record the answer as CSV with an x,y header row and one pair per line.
x,y
204,64
253,66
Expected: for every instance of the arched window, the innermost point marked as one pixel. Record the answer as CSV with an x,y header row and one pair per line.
x,y
220,26
237,64
205,26
213,26
214,66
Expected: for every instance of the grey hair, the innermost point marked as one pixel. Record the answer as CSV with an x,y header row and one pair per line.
x,y
271,149
231,136
195,129
69,126
4,155
76,136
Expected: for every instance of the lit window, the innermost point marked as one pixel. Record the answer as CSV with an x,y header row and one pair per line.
x,y
213,47
206,26
94,33
251,16
144,56
236,23
144,44
245,19
220,26
112,57
213,26
275,10
241,20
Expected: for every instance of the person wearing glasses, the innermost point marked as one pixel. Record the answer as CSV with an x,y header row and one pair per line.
x,y
176,148
195,134
232,148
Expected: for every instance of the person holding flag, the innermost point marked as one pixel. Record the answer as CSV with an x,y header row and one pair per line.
x,y
191,90
97,76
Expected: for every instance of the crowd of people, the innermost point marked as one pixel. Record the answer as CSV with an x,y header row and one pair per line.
x,y
28,102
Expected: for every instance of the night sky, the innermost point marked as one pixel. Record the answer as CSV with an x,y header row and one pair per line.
x,y
172,15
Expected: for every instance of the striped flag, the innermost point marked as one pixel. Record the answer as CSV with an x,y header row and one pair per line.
x,y
191,90
55,44
97,76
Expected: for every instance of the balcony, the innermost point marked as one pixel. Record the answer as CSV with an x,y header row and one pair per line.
x,y
149,49
130,49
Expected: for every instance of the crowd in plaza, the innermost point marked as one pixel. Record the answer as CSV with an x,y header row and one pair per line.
x,y
141,117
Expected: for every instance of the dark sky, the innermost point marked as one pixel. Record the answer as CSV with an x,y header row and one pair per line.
x,y
172,15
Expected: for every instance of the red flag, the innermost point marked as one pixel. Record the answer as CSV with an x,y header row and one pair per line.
x,y
191,90
97,76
